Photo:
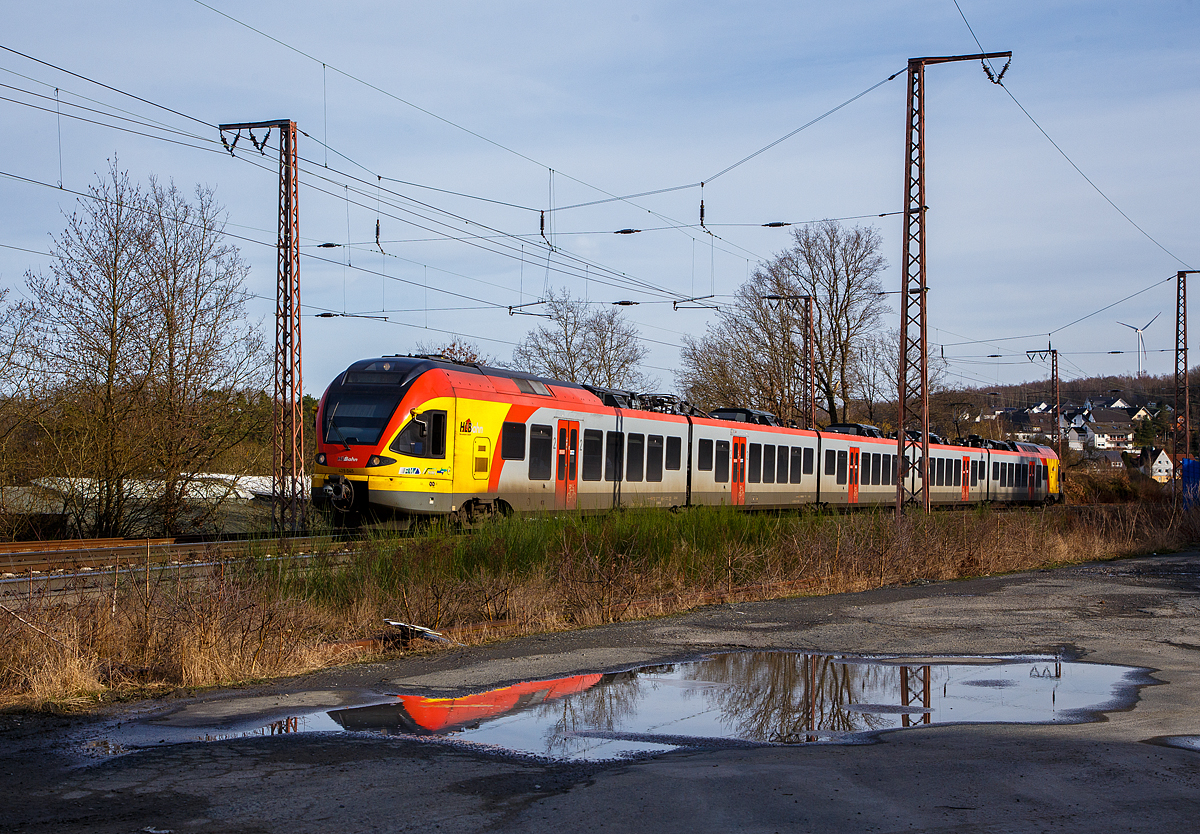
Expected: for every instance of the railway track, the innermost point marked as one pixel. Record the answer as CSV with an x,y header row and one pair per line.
x,y
25,559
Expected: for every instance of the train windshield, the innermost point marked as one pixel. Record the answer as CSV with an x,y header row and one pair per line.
x,y
358,418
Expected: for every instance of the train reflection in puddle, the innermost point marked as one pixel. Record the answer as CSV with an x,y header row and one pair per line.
x,y
756,698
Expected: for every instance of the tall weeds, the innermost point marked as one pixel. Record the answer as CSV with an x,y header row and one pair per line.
x,y
258,618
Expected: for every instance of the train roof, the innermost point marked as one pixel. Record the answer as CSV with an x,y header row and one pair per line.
x,y
401,370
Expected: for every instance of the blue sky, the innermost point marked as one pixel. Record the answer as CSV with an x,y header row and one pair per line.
x,y
630,97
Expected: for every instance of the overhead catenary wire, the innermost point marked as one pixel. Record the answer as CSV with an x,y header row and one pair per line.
x,y
105,86
430,113
1065,326
209,144
586,269
622,276
1063,153
272,244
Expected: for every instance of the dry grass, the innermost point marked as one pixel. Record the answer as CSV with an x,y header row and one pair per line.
x,y
258,619
1113,486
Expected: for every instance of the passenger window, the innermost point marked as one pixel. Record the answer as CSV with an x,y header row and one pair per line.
x,y
798,463
876,468
939,472
768,464
541,452
781,472
704,460
674,453
808,461
831,462
654,457
721,469
842,465
754,465
957,464
512,441
889,464
995,471
593,454
613,455
636,457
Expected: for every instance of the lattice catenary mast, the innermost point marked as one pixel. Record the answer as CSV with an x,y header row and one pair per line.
x,y
289,512
1183,410
913,386
1052,354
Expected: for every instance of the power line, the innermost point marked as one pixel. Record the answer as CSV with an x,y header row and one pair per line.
x,y
379,178
830,112
488,304
271,244
1057,329
454,124
105,86
1070,161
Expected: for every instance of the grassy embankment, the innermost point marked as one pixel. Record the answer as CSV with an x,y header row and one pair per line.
x,y
255,619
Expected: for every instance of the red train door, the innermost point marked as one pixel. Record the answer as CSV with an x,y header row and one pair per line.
x,y
566,482
1032,480
966,479
739,471
854,458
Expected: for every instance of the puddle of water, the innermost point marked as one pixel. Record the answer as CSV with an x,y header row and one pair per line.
x,y
757,698
1182,742
736,699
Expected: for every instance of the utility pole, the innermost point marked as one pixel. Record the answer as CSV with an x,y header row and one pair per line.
x,y
1052,354
914,356
1182,419
289,513
808,385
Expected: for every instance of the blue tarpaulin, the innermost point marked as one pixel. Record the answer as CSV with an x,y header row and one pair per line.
x,y
1190,481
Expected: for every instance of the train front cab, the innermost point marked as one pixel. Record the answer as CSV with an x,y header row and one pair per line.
x,y
385,439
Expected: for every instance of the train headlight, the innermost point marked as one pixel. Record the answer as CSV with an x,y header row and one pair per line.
x,y
320,458
379,460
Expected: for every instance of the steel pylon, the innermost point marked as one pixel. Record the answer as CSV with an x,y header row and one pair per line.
x,y
912,452
289,513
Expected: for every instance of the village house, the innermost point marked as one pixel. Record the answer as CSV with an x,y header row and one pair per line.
x,y
1156,464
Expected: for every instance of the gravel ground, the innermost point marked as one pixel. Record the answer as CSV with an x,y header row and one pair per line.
x,y
1115,774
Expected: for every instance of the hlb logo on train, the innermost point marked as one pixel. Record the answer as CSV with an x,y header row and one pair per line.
x,y
467,427
347,459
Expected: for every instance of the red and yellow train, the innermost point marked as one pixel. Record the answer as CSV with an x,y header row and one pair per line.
x,y
425,436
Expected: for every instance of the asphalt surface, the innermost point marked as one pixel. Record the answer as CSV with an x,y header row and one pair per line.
x,y
1115,774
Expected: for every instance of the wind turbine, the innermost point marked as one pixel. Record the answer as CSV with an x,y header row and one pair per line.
x,y
1141,343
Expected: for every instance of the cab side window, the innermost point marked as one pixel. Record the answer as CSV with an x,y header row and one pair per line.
x,y
423,437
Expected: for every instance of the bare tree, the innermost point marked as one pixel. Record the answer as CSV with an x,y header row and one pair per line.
x,y
146,354
876,372
204,353
752,355
92,319
588,346
458,349
16,404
